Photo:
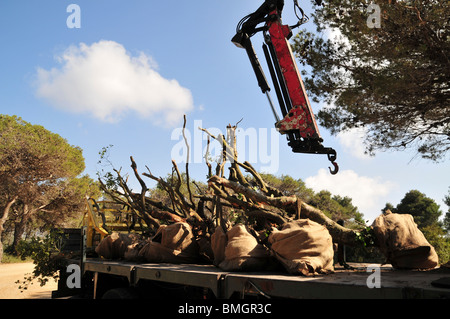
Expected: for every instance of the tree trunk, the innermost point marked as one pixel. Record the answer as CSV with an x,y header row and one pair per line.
x,y
291,204
339,233
19,227
3,220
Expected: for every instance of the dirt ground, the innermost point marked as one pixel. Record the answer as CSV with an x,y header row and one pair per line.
x,y
10,273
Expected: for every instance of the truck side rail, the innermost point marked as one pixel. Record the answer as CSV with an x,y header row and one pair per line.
x,y
393,284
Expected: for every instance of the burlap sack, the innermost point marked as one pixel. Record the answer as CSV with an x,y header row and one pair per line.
x,y
171,244
218,243
303,247
403,244
132,252
238,250
116,245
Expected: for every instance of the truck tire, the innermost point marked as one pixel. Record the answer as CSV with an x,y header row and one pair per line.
x,y
121,293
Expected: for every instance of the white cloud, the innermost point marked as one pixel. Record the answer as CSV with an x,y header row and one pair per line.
x,y
105,81
367,193
353,141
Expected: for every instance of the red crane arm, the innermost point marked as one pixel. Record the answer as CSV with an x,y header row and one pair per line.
x,y
300,116
298,122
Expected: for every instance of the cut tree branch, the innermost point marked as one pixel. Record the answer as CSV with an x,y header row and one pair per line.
x,y
289,204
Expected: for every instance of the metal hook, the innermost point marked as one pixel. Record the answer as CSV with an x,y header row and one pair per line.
x,y
332,156
336,168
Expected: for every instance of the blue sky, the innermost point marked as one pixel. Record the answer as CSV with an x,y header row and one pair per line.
x,y
133,68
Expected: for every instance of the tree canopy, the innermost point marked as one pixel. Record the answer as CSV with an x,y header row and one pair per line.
x,y
393,79
425,210
39,175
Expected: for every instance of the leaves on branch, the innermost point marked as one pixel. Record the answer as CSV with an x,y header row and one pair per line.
x,y
392,80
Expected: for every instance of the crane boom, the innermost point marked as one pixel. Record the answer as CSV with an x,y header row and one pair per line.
x,y
298,122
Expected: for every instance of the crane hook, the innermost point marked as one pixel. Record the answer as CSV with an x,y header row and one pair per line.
x,y
336,168
332,158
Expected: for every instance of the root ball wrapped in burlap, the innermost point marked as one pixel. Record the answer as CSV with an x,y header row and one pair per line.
x,y
238,250
172,244
118,246
303,247
402,243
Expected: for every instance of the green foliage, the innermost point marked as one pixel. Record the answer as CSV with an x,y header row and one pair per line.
x,y
441,243
365,237
172,180
33,149
338,208
236,217
390,207
393,81
40,176
365,249
13,258
424,209
447,214
110,180
334,206
289,186
45,255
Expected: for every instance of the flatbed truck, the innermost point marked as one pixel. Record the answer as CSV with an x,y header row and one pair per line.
x,y
120,279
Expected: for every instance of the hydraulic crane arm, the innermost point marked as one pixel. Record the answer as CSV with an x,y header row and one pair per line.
x,y
298,121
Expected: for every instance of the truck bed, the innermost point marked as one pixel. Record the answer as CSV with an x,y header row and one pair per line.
x,y
343,283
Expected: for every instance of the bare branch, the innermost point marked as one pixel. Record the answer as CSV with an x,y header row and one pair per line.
x,y
187,162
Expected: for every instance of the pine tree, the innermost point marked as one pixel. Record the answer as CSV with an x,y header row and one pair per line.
x,y
39,176
392,79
